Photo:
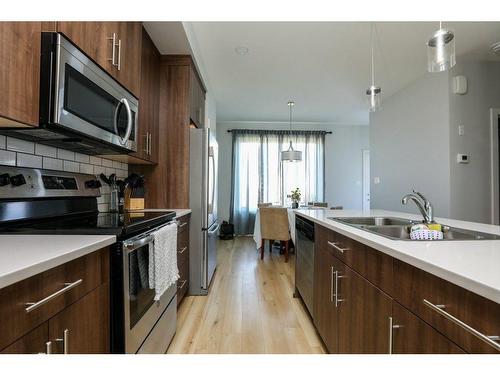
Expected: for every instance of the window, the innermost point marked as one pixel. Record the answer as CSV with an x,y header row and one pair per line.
x,y
258,175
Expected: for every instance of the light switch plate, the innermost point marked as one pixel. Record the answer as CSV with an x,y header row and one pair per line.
x,y
376,180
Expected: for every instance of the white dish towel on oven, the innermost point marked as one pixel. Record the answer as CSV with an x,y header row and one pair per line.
x,y
163,271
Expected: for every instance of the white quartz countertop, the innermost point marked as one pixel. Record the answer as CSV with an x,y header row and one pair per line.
x,y
473,265
23,256
179,212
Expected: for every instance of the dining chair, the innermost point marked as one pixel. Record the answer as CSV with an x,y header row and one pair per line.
x,y
260,205
274,227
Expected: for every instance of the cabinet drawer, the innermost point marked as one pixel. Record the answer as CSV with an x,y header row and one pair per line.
x,y
415,286
411,335
183,282
370,263
65,283
182,254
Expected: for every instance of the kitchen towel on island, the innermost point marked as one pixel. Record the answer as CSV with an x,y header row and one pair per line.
x,y
163,270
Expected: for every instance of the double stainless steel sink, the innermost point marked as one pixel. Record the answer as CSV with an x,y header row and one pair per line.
x,y
399,229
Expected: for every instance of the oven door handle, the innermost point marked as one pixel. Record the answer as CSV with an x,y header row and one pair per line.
x,y
134,245
125,139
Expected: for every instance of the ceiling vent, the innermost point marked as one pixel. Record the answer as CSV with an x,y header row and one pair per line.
x,y
495,47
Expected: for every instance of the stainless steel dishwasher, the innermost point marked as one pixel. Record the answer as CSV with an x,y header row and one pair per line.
x,y
304,264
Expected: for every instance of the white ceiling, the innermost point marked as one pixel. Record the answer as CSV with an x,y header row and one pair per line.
x,y
169,37
322,66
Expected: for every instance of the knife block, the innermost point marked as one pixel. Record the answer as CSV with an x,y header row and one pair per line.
x,y
136,203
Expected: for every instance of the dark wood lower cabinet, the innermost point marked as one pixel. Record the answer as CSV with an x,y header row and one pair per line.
x,y
81,311
33,342
85,323
369,302
411,335
325,314
365,313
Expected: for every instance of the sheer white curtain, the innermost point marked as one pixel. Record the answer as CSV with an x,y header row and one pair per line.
x,y
258,175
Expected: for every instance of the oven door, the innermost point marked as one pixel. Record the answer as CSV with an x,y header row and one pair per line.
x,y
141,311
89,101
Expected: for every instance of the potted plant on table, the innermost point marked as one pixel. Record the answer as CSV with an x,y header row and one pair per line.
x,y
295,196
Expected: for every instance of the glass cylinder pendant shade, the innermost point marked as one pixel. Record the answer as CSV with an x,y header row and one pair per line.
x,y
291,154
441,51
373,95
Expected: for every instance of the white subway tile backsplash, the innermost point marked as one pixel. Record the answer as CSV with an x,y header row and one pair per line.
x,y
86,168
51,163
98,170
20,145
110,171
71,166
121,173
7,157
22,153
94,160
28,160
65,154
81,158
107,163
44,150
103,207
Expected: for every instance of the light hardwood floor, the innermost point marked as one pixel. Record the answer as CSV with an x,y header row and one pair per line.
x,y
250,307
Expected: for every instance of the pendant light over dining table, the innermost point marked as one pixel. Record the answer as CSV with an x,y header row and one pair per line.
x,y
291,155
441,50
373,92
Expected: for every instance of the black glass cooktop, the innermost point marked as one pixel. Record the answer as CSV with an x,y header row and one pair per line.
x,y
119,224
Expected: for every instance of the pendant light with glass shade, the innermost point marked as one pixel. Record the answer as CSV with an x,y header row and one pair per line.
x,y
291,155
374,92
441,50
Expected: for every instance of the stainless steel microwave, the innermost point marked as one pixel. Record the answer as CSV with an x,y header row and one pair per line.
x,y
82,107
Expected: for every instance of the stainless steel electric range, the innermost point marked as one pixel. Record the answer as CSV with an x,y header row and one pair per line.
x,y
37,201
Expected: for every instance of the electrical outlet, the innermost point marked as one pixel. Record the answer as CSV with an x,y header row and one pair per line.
x,y
461,130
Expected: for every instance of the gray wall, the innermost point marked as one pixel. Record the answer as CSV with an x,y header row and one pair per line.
x,y
409,146
343,161
470,183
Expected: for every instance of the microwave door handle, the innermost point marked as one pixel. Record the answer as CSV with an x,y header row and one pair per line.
x,y
129,120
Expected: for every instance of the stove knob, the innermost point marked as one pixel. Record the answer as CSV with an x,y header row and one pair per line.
x,y
4,179
93,184
17,180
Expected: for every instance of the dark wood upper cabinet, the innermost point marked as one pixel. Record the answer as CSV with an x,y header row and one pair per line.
x,y
121,59
20,44
147,138
411,335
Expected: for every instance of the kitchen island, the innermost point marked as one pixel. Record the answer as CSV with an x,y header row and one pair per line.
x,y
373,294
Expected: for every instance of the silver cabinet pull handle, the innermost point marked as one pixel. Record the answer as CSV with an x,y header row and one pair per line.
x,y
336,246
150,143
390,335
30,306
65,341
119,64
337,277
490,340
332,275
182,250
182,285
48,347
182,225
113,48
146,150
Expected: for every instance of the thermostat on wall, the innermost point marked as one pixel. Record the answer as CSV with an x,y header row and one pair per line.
x,y
462,158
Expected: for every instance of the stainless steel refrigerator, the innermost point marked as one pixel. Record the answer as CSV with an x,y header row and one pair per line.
x,y
203,202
